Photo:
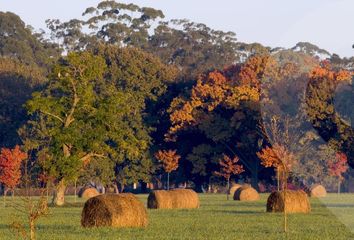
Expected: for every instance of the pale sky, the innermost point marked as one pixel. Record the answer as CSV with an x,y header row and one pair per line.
x,y
326,23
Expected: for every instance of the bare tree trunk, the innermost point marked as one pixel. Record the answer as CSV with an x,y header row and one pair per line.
x,y
228,189
285,188
5,193
116,190
254,179
339,182
168,181
59,195
32,229
75,192
278,180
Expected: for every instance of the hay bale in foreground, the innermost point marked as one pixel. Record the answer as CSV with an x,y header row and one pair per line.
x,y
233,189
295,202
114,210
88,193
246,193
176,198
318,191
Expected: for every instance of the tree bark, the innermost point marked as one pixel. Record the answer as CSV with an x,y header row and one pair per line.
x,y
32,229
228,189
278,179
75,192
254,179
168,181
116,190
5,193
59,195
339,182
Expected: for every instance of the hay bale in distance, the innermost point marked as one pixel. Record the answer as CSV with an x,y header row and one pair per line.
x,y
114,210
246,193
295,202
88,193
159,199
176,198
318,191
233,189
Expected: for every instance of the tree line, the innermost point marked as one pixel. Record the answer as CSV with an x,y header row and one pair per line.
x,y
110,96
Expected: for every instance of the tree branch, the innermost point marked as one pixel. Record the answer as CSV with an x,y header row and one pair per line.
x,y
87,156
70,118
53,115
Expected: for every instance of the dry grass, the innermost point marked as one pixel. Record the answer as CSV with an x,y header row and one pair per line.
x,y
114,210
295,202
177,198
318,191
246,193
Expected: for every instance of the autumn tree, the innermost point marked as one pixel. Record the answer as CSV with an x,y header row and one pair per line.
x,y
280,158
229,167
337,167
10,167
169,160
223,108
327,86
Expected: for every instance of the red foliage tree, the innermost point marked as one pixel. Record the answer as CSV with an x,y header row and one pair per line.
x,y
229,167
10,167
338,166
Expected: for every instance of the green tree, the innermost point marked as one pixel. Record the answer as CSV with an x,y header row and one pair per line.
x,y
77,117
17,82
18,41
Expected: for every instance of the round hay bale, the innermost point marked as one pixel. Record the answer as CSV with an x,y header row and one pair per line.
x,y
246,193
233,189
177,198
114,210
88,193
318,191
159,199
184,198
295,202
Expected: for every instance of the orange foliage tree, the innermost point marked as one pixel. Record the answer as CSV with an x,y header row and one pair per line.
x,y
229,167
338,166
236,91
10,167
169,160
282,160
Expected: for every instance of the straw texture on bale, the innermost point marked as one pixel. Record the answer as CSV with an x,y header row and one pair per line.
x,y
87,193
246,193
114,210
295,202
318,191
233,189
177,198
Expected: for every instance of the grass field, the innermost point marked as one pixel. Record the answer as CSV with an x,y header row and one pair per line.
x,y
216,219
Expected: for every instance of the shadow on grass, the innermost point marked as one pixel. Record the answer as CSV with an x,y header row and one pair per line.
x,y
69,205
238,212
339,205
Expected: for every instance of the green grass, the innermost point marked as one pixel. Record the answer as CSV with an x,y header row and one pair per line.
x,y
216,219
